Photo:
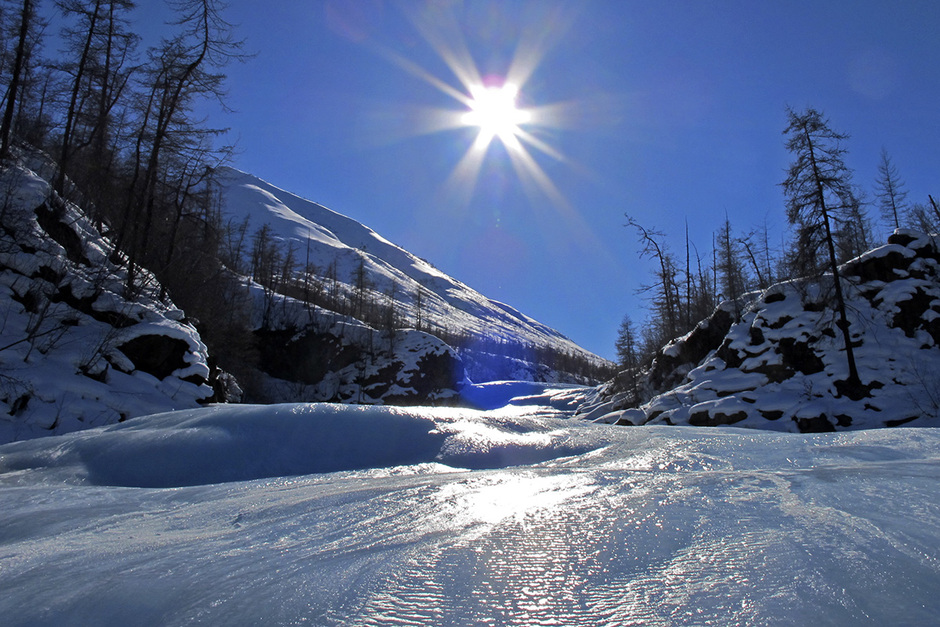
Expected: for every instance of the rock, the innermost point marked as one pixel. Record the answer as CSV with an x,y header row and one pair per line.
x,y
158,355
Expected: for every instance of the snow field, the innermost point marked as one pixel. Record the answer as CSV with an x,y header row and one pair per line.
x,y
337,515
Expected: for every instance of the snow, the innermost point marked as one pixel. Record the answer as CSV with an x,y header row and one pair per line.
x,y
892,300
514,515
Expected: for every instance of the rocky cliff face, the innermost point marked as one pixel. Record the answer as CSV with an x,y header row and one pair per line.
x,y
74,351
779,363
315,355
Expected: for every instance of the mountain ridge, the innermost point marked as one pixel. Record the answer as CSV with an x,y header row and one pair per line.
x,y
328,228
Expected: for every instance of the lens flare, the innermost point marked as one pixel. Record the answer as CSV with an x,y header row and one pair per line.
x,y
489,104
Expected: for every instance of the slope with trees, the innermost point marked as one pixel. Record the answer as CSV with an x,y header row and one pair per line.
x,y
785,339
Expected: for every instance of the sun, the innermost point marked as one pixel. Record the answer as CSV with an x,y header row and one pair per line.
x,y
489,104
493,109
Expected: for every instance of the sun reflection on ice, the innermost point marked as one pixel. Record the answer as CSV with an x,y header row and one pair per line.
x,y
491,499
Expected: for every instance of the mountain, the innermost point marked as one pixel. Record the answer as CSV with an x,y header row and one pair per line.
x,y
360,321
776,361
325,274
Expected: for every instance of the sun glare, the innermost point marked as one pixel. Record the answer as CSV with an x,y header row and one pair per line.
x,y
494,111
490,105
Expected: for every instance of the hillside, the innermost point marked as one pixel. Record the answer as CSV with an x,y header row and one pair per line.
x,y
79,348
340,271
776,361
75,352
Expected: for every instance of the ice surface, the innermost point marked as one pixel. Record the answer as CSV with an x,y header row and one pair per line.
x,y
336,515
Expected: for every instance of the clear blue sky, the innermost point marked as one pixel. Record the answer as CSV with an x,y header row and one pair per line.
x,y
674,111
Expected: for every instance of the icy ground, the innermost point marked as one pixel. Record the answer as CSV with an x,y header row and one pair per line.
x,y
338,515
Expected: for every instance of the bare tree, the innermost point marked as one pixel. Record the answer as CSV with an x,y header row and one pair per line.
x,y
731,271
99,45
180,71
818,190
665,290
26,20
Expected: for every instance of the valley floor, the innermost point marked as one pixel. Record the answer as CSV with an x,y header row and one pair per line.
x,y
514,515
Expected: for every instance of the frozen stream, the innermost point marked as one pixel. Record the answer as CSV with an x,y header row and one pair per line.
x,y
330,515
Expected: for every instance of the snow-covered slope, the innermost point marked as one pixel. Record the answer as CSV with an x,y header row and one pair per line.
x,y
782,365
339,515
323,237
74,352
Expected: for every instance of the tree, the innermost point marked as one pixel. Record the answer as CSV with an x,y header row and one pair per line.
x,y
99,46
362,288
20,59
891,192
419,305
180,71
818,191
853,234
757,247
731,271
666,290
628,355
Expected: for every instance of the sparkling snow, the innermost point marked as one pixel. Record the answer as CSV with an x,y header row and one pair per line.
x,y
330,515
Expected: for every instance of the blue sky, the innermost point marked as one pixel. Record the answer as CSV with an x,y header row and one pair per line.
x,y
674,112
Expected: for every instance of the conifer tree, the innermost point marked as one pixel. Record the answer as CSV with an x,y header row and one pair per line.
x,y
891,193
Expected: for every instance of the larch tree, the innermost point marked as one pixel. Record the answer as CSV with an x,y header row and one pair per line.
x,y
731,272
180,71
890,191
665,292
628,355
819,194
99,45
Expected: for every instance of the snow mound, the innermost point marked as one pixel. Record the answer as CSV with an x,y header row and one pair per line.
x,y
239,443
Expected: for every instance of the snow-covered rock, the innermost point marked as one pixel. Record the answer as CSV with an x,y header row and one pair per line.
x,y
74,351
780,363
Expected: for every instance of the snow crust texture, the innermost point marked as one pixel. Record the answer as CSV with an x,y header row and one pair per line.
x,y
779,362
74,351
340,515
